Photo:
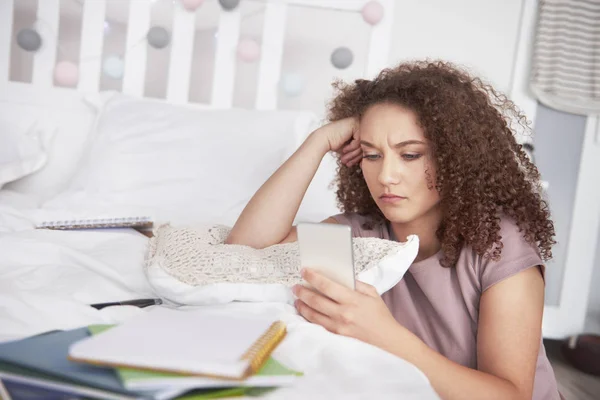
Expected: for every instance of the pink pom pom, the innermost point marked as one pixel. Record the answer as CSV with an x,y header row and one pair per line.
x,y
248,50
66,74
372,12
192,5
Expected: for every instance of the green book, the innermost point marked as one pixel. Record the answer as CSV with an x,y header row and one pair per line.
x,y
269,377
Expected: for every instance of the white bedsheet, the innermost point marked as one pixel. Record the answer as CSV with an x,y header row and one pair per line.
x,y
48,278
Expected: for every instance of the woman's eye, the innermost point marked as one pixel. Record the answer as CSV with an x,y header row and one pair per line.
x,y
371,157
411,156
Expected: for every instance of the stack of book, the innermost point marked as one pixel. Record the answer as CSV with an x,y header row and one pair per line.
x,y
161,355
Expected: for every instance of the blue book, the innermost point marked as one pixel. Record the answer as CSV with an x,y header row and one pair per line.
x,y
44,358
23,384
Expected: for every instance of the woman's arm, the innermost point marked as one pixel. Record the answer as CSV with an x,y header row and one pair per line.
x,y
508,340
268,217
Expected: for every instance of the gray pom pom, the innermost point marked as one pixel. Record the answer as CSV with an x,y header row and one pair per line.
x,y
342,57
29,40
229,4
158,37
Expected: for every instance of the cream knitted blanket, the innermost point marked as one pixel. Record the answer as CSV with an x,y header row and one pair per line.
x,y
198,256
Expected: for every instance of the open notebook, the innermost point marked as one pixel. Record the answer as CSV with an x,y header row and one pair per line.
x,y
185,342
271,374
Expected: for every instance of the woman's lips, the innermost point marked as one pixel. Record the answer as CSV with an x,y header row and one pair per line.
x,y
391,198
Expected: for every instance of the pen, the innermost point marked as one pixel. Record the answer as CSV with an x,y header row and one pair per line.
x,y
138,303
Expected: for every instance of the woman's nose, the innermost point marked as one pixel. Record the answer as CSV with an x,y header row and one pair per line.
x,y
390,172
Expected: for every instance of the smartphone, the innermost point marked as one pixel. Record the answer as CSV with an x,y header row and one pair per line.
x,y
327,249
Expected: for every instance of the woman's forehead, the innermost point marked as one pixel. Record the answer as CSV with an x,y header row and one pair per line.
x,y
390,122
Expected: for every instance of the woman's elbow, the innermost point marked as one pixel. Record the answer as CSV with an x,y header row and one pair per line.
x,y
256,242
232,238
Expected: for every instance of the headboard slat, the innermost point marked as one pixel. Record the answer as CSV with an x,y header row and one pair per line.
x,y
90,53
225,61
48,15
182,50
6,26
380,41
271,56
135,58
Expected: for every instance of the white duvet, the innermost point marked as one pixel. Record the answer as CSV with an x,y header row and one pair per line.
x,y
49,278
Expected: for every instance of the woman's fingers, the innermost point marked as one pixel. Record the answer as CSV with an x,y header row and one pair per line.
x,y
327,287
353,145
315,300
354,156
314,316
354,161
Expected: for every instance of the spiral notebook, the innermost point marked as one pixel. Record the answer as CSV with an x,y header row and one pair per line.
x,y
140,223
190,342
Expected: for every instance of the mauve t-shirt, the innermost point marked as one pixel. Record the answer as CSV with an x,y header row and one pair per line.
x,y
441,305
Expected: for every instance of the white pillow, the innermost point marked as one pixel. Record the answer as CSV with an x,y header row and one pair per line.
x,y
182,164
22,149
67,114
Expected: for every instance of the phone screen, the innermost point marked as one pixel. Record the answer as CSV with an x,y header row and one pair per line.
x,y
327,249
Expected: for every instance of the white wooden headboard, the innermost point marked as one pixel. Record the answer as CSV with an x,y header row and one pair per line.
x,y
182,42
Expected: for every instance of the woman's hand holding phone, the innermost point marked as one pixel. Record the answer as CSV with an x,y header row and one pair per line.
x,y
361,313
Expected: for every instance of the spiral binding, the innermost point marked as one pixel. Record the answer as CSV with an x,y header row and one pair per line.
x,y
260,351
97,223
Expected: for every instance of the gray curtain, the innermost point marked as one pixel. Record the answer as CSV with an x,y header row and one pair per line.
x,y
566,58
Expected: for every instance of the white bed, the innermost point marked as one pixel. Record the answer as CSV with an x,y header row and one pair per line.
x,y
110,154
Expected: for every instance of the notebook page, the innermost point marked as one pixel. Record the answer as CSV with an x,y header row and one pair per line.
x,y
183,341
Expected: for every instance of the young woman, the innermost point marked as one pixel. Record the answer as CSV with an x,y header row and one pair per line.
x,y
426,149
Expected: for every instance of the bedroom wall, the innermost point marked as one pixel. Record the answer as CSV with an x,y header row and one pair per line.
x,y
558,136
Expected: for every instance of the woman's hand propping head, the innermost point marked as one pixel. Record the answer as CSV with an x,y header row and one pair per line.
x,y
343,138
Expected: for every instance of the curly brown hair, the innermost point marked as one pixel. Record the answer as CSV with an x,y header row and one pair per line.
x,y
482,173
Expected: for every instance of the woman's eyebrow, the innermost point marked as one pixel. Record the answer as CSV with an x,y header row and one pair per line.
x,y
397,145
